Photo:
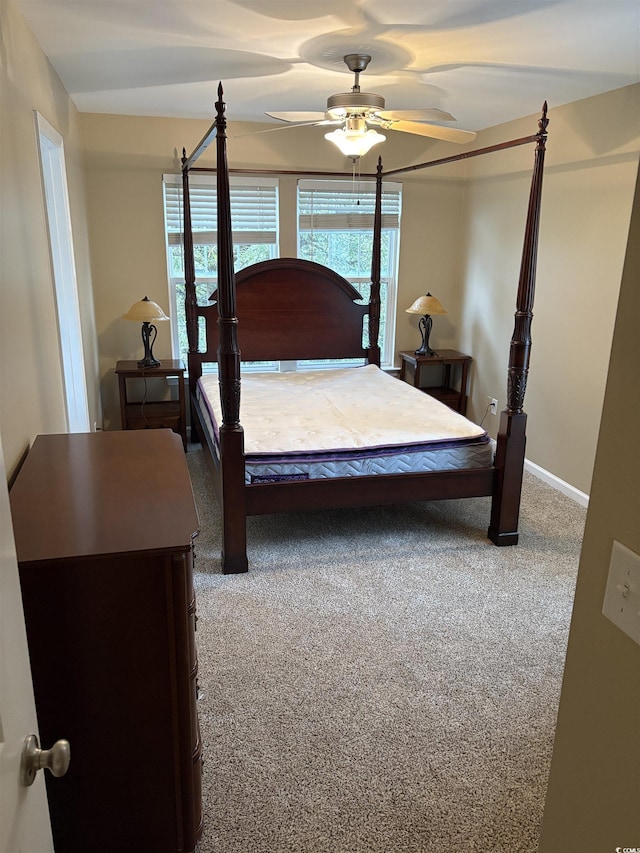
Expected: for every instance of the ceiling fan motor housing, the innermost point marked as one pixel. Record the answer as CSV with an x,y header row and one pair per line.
x,y
354,103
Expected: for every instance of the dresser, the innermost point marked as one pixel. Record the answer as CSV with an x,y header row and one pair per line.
x,y
104,526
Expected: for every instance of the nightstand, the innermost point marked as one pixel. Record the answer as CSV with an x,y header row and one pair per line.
x,y
440,372
142,410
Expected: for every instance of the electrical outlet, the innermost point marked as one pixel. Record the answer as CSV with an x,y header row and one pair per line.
x,y
493,405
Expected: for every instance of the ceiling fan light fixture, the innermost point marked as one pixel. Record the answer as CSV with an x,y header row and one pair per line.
x,y
354,140
358,109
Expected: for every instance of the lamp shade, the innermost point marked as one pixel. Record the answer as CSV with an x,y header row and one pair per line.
x,y
426,305
145,311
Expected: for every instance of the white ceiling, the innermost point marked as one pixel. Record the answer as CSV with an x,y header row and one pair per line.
x,y
485,61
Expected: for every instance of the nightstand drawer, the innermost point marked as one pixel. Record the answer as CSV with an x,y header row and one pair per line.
x,y
161,415
450,398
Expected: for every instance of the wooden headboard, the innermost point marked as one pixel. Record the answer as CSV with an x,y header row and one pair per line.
x,y
288,308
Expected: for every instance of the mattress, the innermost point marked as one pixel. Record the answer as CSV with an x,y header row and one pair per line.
x,y
346,422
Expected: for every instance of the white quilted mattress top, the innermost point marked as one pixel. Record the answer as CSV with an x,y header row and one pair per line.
x,y
320,410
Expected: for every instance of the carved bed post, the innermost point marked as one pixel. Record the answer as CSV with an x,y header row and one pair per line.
x,y
234,539
190,301
510,451
373,351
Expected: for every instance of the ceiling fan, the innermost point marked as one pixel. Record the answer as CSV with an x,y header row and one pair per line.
x,y
361,112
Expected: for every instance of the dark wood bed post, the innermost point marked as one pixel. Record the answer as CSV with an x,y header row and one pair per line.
x,y
510,451
373,351
233,508
191,301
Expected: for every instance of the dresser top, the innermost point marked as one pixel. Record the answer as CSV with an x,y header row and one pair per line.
x,y
103,493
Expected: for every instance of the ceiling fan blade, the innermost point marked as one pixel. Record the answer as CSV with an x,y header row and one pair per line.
x,y
289,126
448,134
416,115
297,117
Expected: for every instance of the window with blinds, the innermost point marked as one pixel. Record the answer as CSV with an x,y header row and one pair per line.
x,y
254,222
346,205
335,228
254,210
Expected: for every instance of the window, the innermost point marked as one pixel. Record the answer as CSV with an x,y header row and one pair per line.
x,y
335,228
254,220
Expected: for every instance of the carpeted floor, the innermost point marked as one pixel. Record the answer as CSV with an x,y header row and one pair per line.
x,y
383,679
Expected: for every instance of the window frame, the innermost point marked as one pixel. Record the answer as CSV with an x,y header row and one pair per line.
x,y
206,284
354,194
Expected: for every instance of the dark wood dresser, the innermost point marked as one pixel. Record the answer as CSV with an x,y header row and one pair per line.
x,y
104,526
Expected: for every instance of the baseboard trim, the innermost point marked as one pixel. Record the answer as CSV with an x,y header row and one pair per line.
x,y
566,488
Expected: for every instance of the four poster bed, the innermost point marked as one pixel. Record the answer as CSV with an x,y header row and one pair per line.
x,y
331,447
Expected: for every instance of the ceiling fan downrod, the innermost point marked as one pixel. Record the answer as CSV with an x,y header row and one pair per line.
x,y
357,62
355,102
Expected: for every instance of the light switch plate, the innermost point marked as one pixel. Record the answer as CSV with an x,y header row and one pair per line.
x,y
622,594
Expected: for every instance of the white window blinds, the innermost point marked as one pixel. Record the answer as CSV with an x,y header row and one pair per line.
x,y
254,209
346,205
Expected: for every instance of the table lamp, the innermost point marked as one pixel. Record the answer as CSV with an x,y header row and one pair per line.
x,y
426,305
148,313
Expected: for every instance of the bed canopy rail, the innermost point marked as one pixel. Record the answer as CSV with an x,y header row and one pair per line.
x,y
502,481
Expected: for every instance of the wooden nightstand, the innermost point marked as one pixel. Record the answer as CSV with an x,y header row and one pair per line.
x,y
442,384
145,413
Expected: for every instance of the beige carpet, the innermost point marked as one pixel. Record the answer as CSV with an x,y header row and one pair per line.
x,y
383,679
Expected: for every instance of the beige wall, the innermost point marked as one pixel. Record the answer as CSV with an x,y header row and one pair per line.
x,y
590,168
430,260
462,233
31,383
593,799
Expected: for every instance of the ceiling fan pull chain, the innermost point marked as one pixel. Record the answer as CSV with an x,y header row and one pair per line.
x,y
355,190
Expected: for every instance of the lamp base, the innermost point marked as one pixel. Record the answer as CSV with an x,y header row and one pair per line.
x,y
425,351
149,334
149,361
425,328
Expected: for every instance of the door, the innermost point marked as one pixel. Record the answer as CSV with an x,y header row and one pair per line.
x,y
54,182
24,814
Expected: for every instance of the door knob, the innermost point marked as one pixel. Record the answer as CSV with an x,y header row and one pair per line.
x,y
33,759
